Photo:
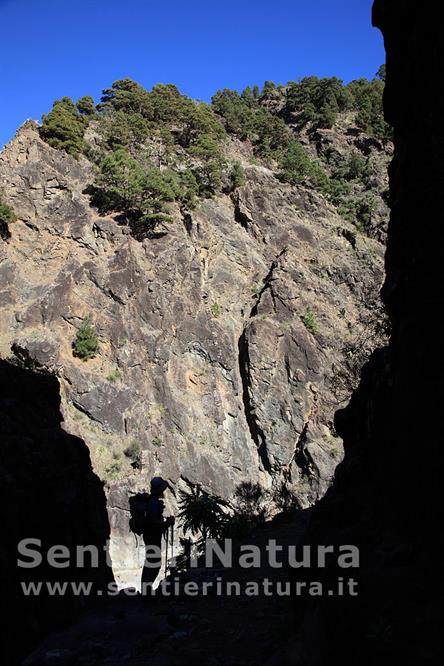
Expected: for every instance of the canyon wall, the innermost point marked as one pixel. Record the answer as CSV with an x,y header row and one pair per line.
x,y
386,494
222,338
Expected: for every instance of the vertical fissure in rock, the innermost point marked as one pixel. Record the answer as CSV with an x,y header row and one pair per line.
x,y
257,434
240,217
187,222
266,282
301,456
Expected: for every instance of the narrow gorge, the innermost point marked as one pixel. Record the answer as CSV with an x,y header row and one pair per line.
x,y
226,261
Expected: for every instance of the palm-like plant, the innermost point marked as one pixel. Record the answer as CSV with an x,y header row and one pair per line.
x,y
202,513
251,498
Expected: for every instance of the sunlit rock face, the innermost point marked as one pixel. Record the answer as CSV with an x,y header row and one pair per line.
x,y
220,340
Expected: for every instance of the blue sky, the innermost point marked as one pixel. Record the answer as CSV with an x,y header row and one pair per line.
x,y
51,48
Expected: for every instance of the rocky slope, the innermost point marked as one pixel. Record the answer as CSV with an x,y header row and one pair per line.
x,y
210,371
365,203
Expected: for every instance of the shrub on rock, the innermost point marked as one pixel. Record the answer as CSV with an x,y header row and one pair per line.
x,y
7,216
86,343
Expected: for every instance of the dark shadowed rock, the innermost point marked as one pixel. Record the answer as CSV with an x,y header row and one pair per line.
x,y
50,493
387,494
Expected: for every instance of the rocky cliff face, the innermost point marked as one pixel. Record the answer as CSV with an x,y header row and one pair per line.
x,y
222,339
385,498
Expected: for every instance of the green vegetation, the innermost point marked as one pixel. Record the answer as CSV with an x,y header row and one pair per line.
x,y
319,101
309,320
358,211
216,310
380,74
85,106
112,471
86,343
251,508
166,106
155,148
156,151
151,148
309,104
113,376
7,217
211,517
245,118
237,176
353,168
141,194
296,166
64,127
284,498
350,189
367,96
208,171
270,137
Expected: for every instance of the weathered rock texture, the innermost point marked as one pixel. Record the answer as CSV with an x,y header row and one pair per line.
x,y
334,146
386,495
48,492
206,364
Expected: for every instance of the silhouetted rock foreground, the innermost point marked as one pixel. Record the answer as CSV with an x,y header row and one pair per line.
x,y
178,629
386,497
48,492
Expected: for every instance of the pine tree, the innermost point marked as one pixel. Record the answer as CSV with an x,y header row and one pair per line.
x,y
85,106
237,175
208,172
124,186
268,88
355,167
86,343
295,164
126,95
326,117
238,116
120,129
189,189
119,183
63,127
